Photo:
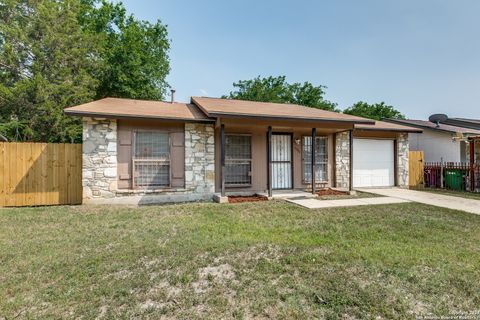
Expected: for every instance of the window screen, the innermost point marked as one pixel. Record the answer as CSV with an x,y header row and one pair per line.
x,y
238,160
151,145
321,159
151,161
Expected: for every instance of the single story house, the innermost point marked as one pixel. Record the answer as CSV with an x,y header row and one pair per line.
x,y
439,141
138,151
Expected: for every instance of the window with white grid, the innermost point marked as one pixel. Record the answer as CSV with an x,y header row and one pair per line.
x,y
238,160
321,159
151,159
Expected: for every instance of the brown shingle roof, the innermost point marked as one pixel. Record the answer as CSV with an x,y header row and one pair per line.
x,y
215,107
202,108
142,109
387,126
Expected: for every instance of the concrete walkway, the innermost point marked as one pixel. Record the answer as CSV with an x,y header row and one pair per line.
x,y
318,204
439,200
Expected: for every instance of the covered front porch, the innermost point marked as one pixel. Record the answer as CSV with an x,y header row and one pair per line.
x,y
275,158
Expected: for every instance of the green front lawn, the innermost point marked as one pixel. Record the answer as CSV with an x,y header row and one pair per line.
x,y
253,260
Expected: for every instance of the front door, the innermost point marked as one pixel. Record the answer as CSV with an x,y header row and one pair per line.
x,y
281,161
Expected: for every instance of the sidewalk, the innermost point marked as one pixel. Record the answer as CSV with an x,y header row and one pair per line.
x,y
318,204
439,200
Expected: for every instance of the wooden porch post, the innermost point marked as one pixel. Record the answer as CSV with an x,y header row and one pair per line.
x,y
350,187
314,165
222,158
472,165
269,161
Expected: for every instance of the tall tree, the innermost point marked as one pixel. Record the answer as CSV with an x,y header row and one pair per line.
x,y
377,111
55,54
47,62
135,53
277,89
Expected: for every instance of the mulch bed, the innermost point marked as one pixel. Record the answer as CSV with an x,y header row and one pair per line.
x,y
330,192
240,199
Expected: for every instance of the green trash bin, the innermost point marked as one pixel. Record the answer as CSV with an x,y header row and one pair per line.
x,y
454,179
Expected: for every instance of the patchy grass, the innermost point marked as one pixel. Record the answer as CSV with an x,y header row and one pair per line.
x,y
461,194
251,260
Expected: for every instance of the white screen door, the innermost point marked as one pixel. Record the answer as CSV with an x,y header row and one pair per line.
x,y
281,161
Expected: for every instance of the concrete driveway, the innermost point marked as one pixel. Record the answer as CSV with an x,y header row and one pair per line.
x,y
439,200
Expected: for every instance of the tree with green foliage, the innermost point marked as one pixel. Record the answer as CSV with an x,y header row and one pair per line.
x,y
377,111
134,52
277,89
55,54
47,62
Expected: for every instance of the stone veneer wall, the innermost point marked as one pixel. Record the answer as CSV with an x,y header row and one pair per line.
x,y
200,158
100,166
402,160
99,170
342,159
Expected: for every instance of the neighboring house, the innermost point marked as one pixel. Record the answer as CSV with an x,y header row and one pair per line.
x,y
474,142
148,151
463,122
439,141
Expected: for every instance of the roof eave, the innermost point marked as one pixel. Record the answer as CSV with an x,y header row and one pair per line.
x,y
137,117
390,129
422,127
282,118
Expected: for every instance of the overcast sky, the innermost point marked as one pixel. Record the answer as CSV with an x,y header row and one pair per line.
x,y
422,57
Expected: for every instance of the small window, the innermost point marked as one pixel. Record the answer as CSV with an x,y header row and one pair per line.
x,y
151,159
321,159
238,160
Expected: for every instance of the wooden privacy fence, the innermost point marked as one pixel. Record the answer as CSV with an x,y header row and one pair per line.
x,y
416,168
34,174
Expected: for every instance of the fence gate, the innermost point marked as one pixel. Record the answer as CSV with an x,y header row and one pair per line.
x,y
416,168
34,174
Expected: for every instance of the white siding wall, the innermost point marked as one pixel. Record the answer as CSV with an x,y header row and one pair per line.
x,y
436,145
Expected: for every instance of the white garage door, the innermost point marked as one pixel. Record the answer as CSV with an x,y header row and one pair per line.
x,y
373,163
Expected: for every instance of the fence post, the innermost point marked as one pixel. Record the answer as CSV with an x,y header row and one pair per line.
x,y
472,165
441,174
